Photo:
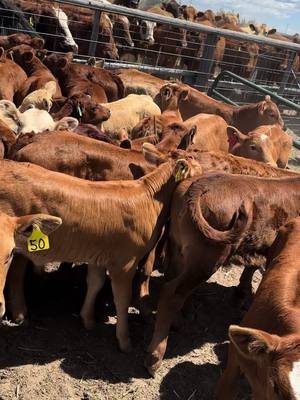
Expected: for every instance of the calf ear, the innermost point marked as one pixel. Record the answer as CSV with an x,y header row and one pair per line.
x,y
46,223
2,53
50,87
188,139
252,343
263,105
28,56
67,123
184,95
8,106
235,136
153,155
271,31
166,92
10,55
253,28
125,144
62,63
200,14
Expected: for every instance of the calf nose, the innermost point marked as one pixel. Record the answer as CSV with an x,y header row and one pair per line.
x,y
75,48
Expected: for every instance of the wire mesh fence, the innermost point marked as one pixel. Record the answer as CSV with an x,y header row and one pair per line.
x,y
167,47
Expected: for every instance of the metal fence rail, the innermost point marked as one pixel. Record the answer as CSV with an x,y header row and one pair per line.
x,y
270,63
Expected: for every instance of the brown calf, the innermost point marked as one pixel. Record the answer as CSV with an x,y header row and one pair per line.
x,y
128,216
82,107
72,83
267,143
94,160
211,132
38,74
170,113
266,347
16,39
206,231
111,83
246,118
138,82
213,161
7,139
12,77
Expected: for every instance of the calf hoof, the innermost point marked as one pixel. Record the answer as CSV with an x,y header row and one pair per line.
x,y
125,346
21,321
152,362
19,318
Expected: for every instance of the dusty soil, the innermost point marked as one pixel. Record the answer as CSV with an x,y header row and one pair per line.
x,y
55,358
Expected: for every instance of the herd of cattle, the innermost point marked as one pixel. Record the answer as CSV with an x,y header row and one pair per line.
x,y
125,171
68,28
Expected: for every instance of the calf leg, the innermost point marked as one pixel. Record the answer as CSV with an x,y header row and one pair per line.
x,y
172,298
144,274
15,279
227,388
95,280
122,289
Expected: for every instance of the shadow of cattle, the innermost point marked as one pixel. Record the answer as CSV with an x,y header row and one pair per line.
x,y
55,335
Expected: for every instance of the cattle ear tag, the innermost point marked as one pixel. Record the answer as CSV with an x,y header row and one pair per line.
x,y
79,111
31,23
37,241
180,173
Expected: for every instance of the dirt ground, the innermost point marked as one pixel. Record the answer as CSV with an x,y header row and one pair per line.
x,y
53,357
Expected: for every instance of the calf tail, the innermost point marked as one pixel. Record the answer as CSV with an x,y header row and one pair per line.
x,y
239,224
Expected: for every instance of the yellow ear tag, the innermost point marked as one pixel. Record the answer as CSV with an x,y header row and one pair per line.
x,y
180,173
37,241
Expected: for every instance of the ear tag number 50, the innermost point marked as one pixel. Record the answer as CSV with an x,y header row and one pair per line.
x,y
37,241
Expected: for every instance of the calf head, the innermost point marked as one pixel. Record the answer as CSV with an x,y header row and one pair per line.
x,y
262,29
58,64
207,15
172,94
14,232
122,28
272,363
184,165
176,136
10,115
252,50
91,112
189,12
268,113
21,54
147,31
68,43
106,31
172,7
256,146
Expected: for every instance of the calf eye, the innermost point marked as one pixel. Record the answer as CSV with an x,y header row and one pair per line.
x,y
252,147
